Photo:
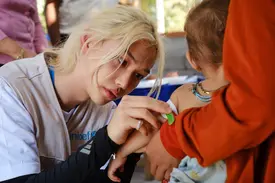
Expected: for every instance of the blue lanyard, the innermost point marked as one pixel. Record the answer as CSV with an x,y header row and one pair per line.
x,y
51,70
199,96
51,74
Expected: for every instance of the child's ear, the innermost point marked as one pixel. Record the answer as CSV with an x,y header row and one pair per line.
x,y
83,43
192,62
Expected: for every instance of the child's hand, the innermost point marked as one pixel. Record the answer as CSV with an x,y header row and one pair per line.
x,y
117,163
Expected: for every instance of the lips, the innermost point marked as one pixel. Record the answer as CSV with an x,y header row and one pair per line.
x,y
110,94
115,92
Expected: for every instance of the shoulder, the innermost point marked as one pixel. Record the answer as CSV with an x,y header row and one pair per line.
x,y
181,93
11,107
183,98
27,76
24,68
6,91
182,90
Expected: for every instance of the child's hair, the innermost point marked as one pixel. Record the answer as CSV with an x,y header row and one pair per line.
x,y
205,27
122,23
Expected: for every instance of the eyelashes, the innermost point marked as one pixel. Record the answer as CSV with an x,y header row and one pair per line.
x,y
124,63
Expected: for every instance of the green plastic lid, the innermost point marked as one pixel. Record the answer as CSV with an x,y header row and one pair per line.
x,y
170,118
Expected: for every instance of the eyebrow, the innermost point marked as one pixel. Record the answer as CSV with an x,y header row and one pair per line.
x,y
132,57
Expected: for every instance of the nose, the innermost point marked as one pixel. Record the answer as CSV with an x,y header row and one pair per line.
x,y
124,80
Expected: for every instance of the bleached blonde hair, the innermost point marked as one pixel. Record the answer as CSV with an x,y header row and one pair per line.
x,y
121,23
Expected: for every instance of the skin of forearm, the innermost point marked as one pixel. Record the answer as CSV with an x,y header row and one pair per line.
x,y
9,47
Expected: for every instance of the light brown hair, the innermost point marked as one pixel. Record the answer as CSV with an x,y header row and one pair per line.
x,y
205,27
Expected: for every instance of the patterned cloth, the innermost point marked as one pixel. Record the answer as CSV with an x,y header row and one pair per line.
x,y
190,171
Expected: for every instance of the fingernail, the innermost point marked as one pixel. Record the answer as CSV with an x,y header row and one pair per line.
x,y
161,118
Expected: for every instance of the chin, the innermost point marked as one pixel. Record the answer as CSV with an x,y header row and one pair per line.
x,y
97,97
99,100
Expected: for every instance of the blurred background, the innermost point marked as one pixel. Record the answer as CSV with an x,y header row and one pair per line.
x,y
170,17
170,14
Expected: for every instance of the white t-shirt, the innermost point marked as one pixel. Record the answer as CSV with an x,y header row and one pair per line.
x,y
72,12
18,147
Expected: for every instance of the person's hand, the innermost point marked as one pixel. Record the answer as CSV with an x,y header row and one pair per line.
x,y
13,49
28,53
10,47
116,164
161,162
131,112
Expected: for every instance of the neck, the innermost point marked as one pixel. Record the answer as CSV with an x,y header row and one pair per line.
x,y
214,81
70,92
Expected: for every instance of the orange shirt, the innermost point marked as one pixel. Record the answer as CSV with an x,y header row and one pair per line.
x,y
238,125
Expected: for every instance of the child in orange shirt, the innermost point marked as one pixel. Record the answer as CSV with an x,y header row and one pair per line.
x,y
205,26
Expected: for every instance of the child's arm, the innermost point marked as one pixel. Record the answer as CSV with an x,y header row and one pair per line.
x,y
137,141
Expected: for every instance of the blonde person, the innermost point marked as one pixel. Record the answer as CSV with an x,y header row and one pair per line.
x,y
205,55
52,105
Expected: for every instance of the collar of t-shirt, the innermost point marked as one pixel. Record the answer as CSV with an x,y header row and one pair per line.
x,y
67,115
